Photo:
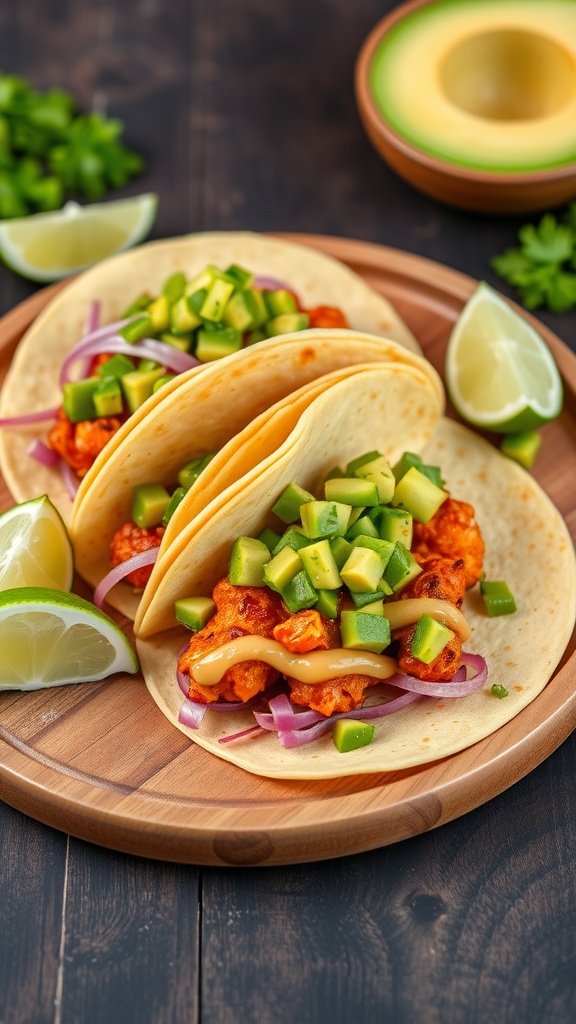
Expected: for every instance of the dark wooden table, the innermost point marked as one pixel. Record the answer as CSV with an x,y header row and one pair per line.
x,y
245,111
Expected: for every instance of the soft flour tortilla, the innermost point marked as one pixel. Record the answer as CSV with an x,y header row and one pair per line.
x,y
32,382
527,544
349,416
245,406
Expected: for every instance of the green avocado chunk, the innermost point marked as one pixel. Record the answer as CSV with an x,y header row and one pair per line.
x,y
247,561
379,473
348,734
364,632
216,341
289,504
116,366
324,518
175,499
299,593
78,398
149,502
351,491
362,571
327,603
394,524
108,397
320,565
418,495
429,639
138,386
286,323
280,301
280,570
194,612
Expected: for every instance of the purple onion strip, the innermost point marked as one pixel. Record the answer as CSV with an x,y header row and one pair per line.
x,y
120,571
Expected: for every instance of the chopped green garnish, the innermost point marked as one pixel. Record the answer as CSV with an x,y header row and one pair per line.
x,y
499,691
194,612
498,597
348,734
287,508
523,447
172,505
542,267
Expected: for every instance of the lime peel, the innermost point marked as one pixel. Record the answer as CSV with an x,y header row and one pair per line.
x,y
49,638
500,374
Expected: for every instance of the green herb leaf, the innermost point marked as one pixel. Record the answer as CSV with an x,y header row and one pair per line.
x,y
549,241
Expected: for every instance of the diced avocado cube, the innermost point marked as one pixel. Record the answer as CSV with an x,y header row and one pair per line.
x,y
361,460
319,563
355,514
216,343
351,491
175,499
299,593
108,397
159,311
242,278
116,366
162,381
395,524
195,301
384,548
139,328
325,518
247,560
182,318
174,287
364,632
379,473
335,474
149,502
259,308
140,303
498,597
255,337
362,571
183,342
401,569
286,323
340,549
410,459
137,386
238,313
375,607
78,398
327,603
201,282
363,527
192,469
429,639
522,447
418,495
270,538
280,301
364,601
282,568
289,504
294,537
145,365
215,302
349,734
194,612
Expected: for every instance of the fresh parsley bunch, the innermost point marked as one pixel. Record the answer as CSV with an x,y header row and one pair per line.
x,y
543,268
48,151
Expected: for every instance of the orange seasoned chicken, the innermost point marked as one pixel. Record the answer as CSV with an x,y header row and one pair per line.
x,y
239,611
130,540
327,316
445,580
307,631
79,443
342,694
453,533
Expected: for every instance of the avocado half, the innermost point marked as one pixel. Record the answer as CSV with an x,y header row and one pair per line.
x,y
483,84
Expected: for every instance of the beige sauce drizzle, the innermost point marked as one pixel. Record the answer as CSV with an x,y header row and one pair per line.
x,y
316,667
404,613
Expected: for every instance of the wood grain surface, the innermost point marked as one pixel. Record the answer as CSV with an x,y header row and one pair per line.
x,y
247,117
64,755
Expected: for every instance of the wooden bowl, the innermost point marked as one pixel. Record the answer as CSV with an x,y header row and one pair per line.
x,y
476,190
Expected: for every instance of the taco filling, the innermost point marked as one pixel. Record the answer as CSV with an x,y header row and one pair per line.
x,y
363,587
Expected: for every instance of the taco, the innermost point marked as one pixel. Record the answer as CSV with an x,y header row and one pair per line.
x,y
492,520
137,319
201,438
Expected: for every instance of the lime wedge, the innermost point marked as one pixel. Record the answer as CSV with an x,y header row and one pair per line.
x,y
49,246
48,638
499,372
35,550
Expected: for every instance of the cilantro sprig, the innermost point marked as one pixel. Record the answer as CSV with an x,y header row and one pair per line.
x,y
49,152
543,267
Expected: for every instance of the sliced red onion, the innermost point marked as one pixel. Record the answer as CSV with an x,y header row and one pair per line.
x,y
149,348
124,569
299,737
239,735
282,716
69,477
459,686
43,454
29,417
192,714
272,284
93,318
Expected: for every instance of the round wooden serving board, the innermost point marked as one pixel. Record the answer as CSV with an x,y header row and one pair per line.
x,y
101,762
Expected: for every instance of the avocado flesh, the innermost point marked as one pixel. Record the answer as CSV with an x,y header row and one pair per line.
x,y
486,84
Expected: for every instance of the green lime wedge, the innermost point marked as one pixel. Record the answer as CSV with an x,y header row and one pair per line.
x,y
500,374
49,246
35,550
48,638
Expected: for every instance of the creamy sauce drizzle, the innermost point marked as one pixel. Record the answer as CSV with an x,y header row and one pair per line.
x,y
316,667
